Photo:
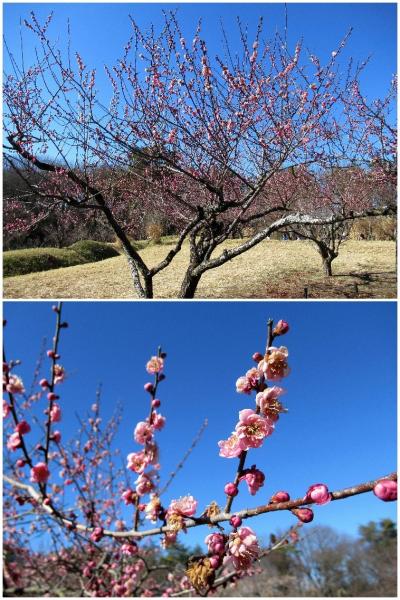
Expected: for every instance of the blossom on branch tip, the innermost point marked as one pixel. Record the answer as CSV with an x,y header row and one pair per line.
x,y
386,490
253,428
281,328
318,493
155,365
40,473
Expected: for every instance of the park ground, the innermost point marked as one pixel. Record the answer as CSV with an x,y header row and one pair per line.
x,y
272,269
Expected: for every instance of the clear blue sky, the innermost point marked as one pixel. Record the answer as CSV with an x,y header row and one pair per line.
x,y
99,31
341,394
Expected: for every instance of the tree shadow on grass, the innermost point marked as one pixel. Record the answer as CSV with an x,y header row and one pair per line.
x,y
368,284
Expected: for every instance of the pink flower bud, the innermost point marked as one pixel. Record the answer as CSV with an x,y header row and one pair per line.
x,y
305,515
51,396
318,493
235,521
149,387
156,403
215,561
44,383
20,463
280,497
281,328
51,354
22,428
40,473
46,501
56,437
257,357
97,534
386,490
231,489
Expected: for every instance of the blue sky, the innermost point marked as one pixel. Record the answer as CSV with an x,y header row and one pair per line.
x,y
341,393
99,31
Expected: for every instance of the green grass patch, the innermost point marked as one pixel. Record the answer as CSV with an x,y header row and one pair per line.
x,y
31,260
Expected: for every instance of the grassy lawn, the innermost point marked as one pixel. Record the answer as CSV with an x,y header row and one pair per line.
x,y
273,269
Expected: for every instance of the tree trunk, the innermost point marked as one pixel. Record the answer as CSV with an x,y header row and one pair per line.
x,y
189,285
328,256
327,266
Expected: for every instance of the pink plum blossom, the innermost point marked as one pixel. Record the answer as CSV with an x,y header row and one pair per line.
x,y
185,506
143,432
59,374
158,421
137,461
55,414
249,382
129,497
318,493
243,548
129,549
97,534
40,473
22,427
155,365
281,327
268,402
231,447
15,385
252,428
144,484
386,490
280,497
305,515
216,543
14,442
231,489
254,479
274,365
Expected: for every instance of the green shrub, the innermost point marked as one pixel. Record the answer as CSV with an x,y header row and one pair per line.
x,y
21,262
94,251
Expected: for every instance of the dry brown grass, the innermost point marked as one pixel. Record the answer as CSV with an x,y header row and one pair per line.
x,y
273,269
